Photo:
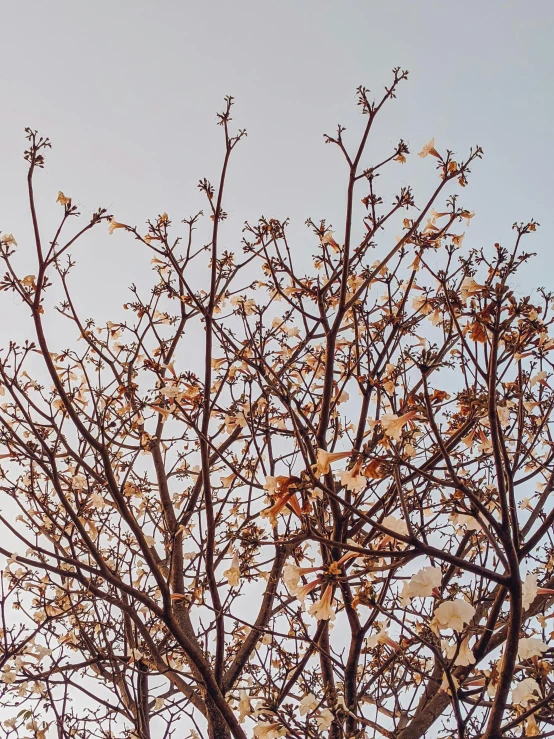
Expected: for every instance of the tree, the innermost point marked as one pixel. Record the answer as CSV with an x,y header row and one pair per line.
x,y
364,445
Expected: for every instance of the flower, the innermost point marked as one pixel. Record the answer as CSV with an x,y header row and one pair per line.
x,y
63,199
328,238
394,524
293,573
324,719
445,684
325,459
524,691
463,519
288,498
271,484
97,501
8,676
469,287
422,584
79,482
382,637
268,730
29,281
452,614
8,239
392,424
113,225
422,305
233,573
530,590
322,608
352,479
308,704
429,149
302,592
457,239
465,655
245,707
531,646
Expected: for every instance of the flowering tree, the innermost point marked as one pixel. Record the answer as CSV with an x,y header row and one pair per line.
x,y
333,517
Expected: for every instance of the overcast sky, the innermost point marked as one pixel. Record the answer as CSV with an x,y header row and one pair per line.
x,y
128,90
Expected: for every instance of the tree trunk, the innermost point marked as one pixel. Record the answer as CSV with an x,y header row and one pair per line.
x,y
217,727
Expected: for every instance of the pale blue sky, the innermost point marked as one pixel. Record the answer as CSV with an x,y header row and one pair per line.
x,y
127,91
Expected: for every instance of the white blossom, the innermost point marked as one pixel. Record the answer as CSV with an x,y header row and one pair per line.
x,y
422,584
452,614
525,691
308,704
531,646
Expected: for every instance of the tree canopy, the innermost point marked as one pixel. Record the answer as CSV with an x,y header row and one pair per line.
x,y
279,498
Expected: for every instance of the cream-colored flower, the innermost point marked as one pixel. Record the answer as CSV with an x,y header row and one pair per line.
x,y
539,377
529,590
352,480
29,281
445,684
245,707
97,501
469,288
63,199
382,637
393,425
429,149
525,691
457,240
8,240
233,573
422,305
467,216
8,676
293,573
328,238
531,646
269,730
113,225
465,655
324,719
79,482
452,614
394,524
271,484
322,609
308,704
325,459
302,592
422,584
462,519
